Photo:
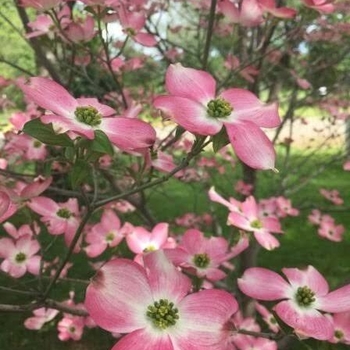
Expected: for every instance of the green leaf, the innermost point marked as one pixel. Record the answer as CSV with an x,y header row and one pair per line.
x,y
46,134
220,140
80,173
101,143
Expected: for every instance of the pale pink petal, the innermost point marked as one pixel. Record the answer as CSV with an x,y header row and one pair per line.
x,y
233,204
33,265
94,250
214,274
127,133
43,206
202,327
190,83
306,321
272,225
118,296
336,301
138,239
159,233
36,187
49,95
145,339
251,145
251,13
13,270
229,9
10,211
193,241
263,284
7,247
239,220
27,245
246,106
250,208
190,114
165,280
4,202
309,277
145,39
266,239
34,323
110,220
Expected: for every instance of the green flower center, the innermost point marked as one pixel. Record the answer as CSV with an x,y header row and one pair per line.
x,y
20,257
64,213
163,314
71,329
338,334
256,224
110,236
201,260
273,320
130,32
150,248
37,144
88,115
219,108
305,296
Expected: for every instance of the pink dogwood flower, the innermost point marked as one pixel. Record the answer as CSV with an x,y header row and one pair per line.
x,y
152,305
201,256
107,233
341,323
140,241
133,23
60,217
248,219
19,256
85,115
70,327
193,104
304,297
329,230
332,195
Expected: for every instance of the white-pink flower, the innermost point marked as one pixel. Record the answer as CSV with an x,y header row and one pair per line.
x,y
201,256
304,297
84,116
249,219
192,103
152,305
19,256
107,233
60,217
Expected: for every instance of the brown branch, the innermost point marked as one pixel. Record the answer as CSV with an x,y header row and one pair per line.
x,y
35,44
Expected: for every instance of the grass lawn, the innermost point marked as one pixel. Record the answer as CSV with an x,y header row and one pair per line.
x,y
300,246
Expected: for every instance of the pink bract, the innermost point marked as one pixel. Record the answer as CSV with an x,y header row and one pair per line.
x,y
193,104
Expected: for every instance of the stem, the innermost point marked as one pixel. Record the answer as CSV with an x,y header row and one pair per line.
x,y
196,149
69,253
35,44
209,33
